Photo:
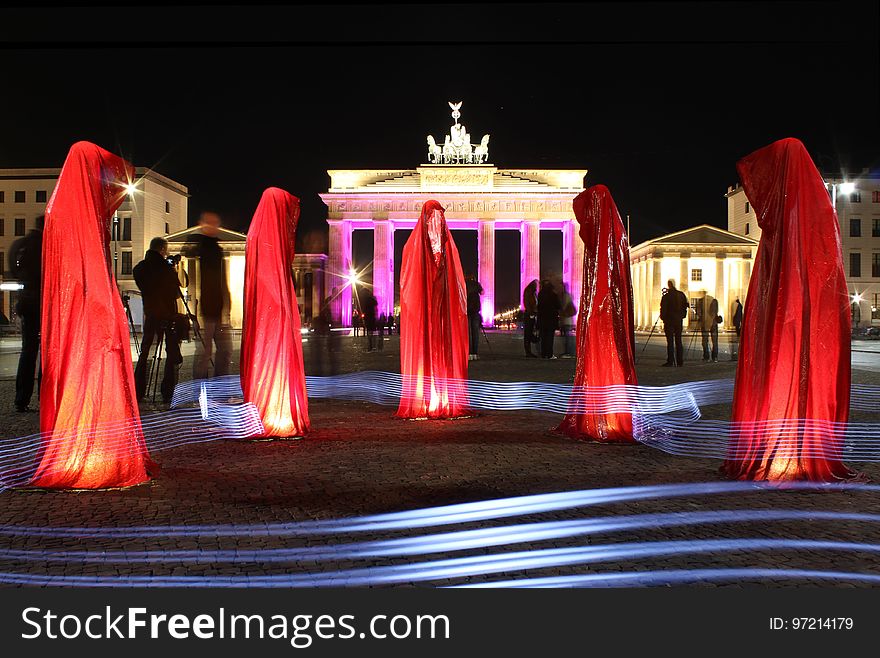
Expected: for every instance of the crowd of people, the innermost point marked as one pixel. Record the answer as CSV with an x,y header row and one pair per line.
x,y
546,311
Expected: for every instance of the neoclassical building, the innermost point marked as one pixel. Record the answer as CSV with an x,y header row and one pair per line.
x,y
308,276
476,196
703,261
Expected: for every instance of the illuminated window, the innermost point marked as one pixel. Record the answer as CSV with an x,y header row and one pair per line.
x,y
855,197
875,307
19,196
41,196
747,207
19,226
126,228
126,262
167,228
696,275
855,227
875,196
747,228
855,264
167,207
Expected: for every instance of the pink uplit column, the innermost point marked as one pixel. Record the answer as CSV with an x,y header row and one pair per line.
x,y
486,270
573,262
336,281
530,265
383,265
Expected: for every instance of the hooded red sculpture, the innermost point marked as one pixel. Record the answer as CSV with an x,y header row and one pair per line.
x,y
272,373
605,327
433,321
88,380
794,362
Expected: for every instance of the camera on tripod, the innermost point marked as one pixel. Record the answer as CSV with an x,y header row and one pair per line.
x,y
173,260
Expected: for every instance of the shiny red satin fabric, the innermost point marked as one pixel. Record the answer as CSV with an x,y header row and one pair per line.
x,y
605,328
794,359
272,373
433,321
88,380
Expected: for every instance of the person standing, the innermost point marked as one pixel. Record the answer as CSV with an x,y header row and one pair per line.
x,y
530,314
370,305
548,318
709,328
159,286
474,290
26,258
380,327
737,325
213,299
673,309
566,322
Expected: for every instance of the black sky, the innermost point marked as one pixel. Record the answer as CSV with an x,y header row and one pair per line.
x,y
657,101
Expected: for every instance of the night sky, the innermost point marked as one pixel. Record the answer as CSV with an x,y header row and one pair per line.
x,y
657,102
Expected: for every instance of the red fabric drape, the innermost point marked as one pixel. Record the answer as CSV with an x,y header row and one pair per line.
x,y
433,321
605,327
272,373
794,360
88,380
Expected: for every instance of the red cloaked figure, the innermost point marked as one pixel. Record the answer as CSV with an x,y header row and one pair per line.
x,y
433,321
605,327
88,409
272,373
794,361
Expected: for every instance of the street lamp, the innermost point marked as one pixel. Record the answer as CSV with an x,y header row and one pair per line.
x,y
843,188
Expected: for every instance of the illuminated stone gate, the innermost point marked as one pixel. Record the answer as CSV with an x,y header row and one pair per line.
x,y
476,196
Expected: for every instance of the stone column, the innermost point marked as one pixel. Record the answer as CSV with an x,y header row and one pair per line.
x,y
746,275
684,273
721,288
338,269
383,265
486,269
530,264
646,283
656,286
573,263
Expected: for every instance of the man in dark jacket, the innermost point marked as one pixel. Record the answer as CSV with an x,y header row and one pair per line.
x,y
159,286
213,298
370,305
548,318
25,258
474,290
673,309
710,327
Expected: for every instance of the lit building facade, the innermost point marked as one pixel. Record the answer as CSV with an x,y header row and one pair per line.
x,y
703,261
859,214
157,207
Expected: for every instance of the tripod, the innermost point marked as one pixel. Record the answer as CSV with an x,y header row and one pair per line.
x,y
125,298
485,335
648,339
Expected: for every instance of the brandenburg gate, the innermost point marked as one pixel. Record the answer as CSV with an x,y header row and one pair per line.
x,y
476,195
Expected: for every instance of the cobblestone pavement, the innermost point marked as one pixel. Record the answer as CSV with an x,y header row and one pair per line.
x,y
359,460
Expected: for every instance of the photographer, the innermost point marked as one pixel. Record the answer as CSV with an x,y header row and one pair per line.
x,y
26,260
673,310
159,285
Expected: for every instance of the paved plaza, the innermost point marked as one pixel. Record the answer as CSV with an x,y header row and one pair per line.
x,y
360,460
